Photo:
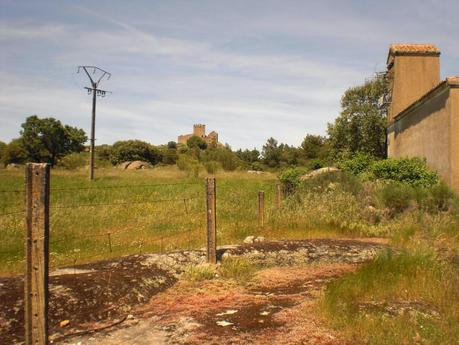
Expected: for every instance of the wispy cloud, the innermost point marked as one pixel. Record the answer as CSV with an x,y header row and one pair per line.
x,y
248,71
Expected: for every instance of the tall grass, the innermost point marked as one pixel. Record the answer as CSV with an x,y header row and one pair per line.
x,y
126,212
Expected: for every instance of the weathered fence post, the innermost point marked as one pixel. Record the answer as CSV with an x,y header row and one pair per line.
x,y
278,195
261,208
211,202
37,254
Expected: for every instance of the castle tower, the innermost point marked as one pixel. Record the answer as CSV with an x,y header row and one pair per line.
x,y
412,70
199,130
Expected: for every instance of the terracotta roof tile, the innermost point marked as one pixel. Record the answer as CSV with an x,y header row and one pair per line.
x,y
453,80
413,48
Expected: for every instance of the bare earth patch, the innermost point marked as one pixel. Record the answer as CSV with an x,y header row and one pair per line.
x,y
141,299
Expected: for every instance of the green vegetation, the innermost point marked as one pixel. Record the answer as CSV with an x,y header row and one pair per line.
x,y
133,150
150,210
237,268
361,126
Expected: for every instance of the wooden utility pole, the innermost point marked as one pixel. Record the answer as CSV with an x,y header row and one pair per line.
x,y
37,254
211,202
95,92
261,209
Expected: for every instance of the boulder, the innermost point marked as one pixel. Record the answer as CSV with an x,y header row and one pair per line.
x,y
134,165
318,172
12,166
124,165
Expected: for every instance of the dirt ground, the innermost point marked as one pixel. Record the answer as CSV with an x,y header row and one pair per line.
x,y
142,299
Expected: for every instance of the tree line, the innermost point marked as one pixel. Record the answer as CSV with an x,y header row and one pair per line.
x,y
359,128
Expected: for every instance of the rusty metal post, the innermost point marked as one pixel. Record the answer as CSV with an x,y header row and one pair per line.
x,y
261,209
211,203
37,253
278,196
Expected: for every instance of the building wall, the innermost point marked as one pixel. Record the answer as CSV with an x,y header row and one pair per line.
x,y
410,78
426,132
454,104
199,130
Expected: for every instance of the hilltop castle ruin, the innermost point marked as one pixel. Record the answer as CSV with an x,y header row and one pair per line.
x,y
424,111
199,130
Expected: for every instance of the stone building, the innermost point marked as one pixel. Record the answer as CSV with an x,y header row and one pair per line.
x,y
424,110
199,130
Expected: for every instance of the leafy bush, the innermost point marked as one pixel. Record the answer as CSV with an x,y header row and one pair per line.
x,y
257,166
334,180
397,196
74,160
290,179
360,163
212,167
189,165
412,171
134,150
315,164
196,142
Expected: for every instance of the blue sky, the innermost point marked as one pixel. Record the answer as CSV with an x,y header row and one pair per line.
x,y
248,69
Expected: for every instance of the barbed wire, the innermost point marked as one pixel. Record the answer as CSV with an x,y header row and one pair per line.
x,y
11,213
127,186
123,203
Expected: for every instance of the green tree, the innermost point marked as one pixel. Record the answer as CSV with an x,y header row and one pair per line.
x,y
271,153
47,140
313,146
2,148
172,145
134,150
14,152
361,126
249,156
196,142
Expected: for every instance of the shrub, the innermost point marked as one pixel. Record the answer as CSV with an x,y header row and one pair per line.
x,y
439,197
14,152
397,196
315,164
74,160
334,180
196,142
189,165
134,150
412,171
212,167
257,166
360,163
290,179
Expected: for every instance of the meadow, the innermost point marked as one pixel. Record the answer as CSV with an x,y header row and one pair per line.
x,y
408,295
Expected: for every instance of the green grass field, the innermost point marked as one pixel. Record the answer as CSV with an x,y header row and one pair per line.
x,y
162,209
127,212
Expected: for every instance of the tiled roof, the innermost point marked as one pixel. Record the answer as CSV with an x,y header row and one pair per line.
x,y
453,80
413,49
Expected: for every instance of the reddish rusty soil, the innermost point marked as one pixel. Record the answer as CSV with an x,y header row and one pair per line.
x,y
277,306
98,291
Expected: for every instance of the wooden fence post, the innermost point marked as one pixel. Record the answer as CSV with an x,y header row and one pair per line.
x,y
278,195
211,202
261,209
37,253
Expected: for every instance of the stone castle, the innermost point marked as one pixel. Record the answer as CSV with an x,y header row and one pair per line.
x,y
199,130
424,110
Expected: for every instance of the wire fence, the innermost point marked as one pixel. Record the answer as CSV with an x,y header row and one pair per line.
x,y
102,221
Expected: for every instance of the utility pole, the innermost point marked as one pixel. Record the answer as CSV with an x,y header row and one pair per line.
x,y
95,91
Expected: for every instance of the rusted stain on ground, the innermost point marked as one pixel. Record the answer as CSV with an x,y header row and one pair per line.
x,y
277,306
